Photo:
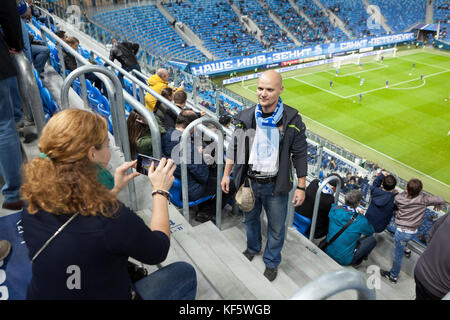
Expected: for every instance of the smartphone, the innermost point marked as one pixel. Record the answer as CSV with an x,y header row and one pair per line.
x,y
144,162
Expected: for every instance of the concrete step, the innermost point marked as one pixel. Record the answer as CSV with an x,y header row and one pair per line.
x,y
285,285
219,275
176,253
303,261
251,277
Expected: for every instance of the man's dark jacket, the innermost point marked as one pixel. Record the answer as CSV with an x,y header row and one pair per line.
x,y
125,53
293,141
381,207
11,37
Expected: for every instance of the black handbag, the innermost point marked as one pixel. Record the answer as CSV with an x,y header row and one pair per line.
x,y
323,244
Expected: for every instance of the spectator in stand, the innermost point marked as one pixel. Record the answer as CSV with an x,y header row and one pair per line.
x,y
61,34
160,108
170,118
381,207
350,248
37,52
411,204
226,120
71,64
68,188
326,200
432,271
37,14
158,82
197,172
10,155
200,182
179,99
139,134
267,163
125,53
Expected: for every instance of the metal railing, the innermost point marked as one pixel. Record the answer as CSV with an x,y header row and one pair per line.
x,y
114,90
317,201
29,90
333,282
219,162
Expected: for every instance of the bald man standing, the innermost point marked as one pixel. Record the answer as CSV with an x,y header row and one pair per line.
x,y
266,137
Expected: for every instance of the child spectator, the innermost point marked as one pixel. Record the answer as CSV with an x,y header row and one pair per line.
x,y
411,204
381,207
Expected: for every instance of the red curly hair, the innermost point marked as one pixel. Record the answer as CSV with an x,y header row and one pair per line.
x,y
66,182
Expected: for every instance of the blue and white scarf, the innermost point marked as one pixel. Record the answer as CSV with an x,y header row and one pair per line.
x,y
264,152
346,207
327,189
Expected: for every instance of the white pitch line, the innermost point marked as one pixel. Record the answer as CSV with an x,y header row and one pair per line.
x,y
397,84
317,87
424,82
381,153
430,65
358,72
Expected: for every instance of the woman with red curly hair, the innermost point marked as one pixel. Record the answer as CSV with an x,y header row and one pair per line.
x,y
79,235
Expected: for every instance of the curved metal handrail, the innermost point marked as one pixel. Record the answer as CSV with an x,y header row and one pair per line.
x,y
29,90
117,112
147,114
333,282
219,161
317,201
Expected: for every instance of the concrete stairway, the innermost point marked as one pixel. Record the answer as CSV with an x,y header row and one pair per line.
x,y
385,26
186,33
334,19
278,21
248,24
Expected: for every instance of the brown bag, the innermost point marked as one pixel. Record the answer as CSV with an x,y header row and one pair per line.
x,y
245,197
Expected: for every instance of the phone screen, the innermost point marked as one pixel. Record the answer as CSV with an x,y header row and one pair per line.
x,y
144,162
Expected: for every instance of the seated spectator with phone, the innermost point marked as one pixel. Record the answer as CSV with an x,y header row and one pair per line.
x,y
200,182
68,189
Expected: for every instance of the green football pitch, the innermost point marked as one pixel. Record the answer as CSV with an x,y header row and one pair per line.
x,y
404,127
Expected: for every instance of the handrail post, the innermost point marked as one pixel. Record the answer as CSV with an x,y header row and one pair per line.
x,y
61,60
29,90
334,282
219,161
115,95
317,201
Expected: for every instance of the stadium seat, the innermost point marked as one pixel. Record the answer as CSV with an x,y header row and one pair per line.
x,y
176,196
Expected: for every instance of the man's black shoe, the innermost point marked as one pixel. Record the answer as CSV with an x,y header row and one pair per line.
x,y
248,255
387,275
271,273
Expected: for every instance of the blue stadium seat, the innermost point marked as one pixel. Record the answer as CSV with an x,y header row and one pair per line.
x,y
302,224
176,197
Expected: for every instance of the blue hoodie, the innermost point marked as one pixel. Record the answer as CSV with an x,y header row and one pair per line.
x,y
381,206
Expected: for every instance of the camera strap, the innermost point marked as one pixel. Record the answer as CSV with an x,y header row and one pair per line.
x,y
52,237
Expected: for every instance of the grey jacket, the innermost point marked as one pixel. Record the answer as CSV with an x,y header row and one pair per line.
x,y
433,267
293,142
410,211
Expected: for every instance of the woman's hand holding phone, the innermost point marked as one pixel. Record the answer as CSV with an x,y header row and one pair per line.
x,y
121,178
162,177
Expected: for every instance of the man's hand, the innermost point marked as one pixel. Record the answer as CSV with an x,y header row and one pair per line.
x,y
225,184
299,197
